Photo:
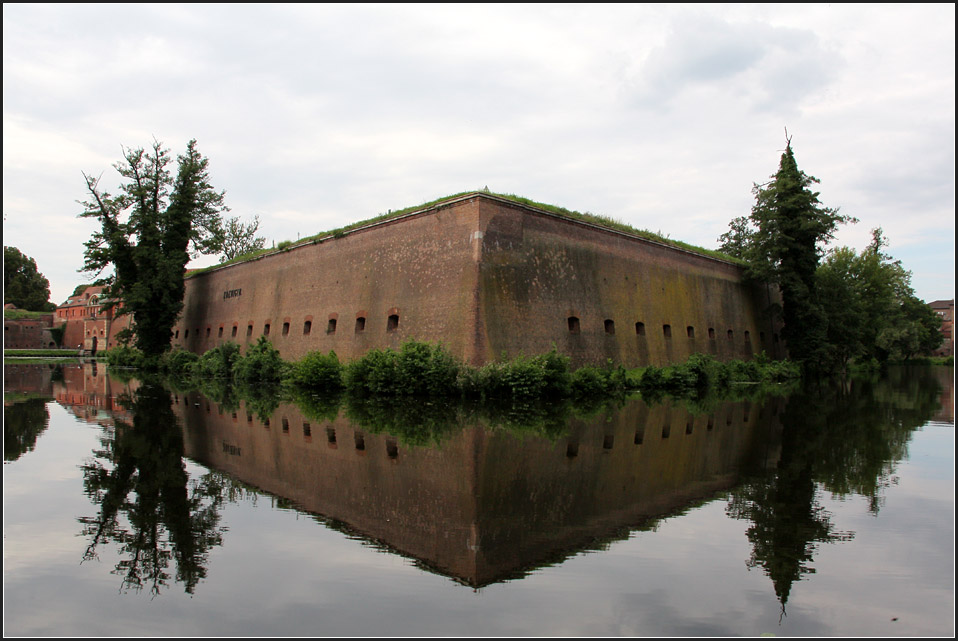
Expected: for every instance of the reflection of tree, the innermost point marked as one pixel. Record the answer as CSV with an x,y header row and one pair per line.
x,y
786,524
845,440
23,423
168,517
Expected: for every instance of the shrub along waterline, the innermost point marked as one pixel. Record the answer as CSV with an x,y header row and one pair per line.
x,y
421,369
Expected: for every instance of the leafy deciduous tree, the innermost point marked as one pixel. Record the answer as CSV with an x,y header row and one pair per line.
x,y
871,308
23,284
148,234
240,238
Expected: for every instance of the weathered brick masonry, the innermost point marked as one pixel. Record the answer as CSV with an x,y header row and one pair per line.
x,y
486,277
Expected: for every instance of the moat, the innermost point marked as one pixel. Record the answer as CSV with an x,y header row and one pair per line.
x,y
135,508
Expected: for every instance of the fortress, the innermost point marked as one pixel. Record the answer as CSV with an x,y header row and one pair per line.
x,y
487,277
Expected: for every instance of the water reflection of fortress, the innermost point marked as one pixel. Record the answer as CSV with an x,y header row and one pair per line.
x,y
486,504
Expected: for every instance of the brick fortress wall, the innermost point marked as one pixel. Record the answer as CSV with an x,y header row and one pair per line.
x,y
486,277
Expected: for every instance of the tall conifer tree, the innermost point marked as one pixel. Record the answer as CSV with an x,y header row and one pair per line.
x,y
791,229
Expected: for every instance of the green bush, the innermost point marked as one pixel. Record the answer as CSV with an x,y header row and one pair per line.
x,y
593,382
426,370
179,362
652,380
376,373
218,362
123,356
543,376
743,371
261,363
417,369
318,371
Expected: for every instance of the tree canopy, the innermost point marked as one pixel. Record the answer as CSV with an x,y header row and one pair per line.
x,y
872,310
240,238
783,241
148,233
847,307
23,284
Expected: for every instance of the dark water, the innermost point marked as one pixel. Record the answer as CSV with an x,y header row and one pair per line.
x,y
134,509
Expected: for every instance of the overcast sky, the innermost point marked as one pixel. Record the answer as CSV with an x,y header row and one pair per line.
x,y
315,116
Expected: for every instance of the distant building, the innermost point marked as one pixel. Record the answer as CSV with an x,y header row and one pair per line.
x,y
946,311
88,326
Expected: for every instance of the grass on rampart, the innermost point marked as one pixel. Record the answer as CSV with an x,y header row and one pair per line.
x,y
21,314
587,217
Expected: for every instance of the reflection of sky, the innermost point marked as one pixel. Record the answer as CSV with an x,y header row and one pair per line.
x,y
281,573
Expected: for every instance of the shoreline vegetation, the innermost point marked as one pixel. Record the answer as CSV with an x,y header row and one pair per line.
x,y
420,370
420,393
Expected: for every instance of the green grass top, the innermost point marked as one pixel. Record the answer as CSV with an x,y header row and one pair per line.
x,y
21,314
587,217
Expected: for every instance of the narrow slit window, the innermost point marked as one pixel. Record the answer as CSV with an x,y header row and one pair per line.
x,y
748,337
392,323
219,334
307,429
186,334
307,327
233,333
609,326
730,335
667,331
331,326
690,331
208,332
572,449
360,324
285,329
266,330
392,449
177,333
573,324
640,329
607,441
360,442
249,330
711,333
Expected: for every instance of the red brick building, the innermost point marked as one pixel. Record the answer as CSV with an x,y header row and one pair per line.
x,y
946,311
87,325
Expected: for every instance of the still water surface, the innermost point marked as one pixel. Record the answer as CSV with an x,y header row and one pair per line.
x,y
133,509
